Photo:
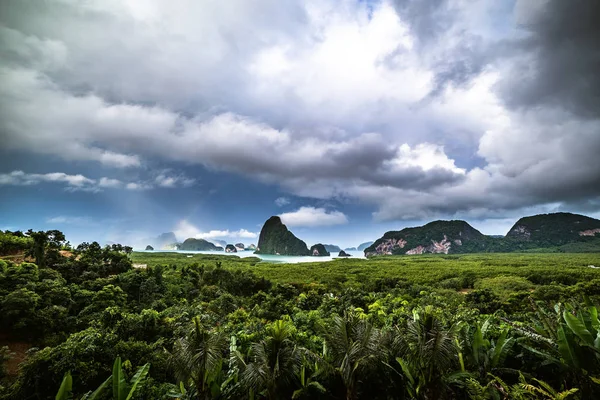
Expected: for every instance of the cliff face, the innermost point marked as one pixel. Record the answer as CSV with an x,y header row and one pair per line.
x,y
275,238
230,249
546,230
435,237
319,250
192,244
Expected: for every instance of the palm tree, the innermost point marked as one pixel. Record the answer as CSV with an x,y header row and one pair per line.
x,y
353,350
427,354
276,362
197,360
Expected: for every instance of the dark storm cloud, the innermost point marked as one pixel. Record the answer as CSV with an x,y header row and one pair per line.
x,y
428,19
316,98
455,64
558,61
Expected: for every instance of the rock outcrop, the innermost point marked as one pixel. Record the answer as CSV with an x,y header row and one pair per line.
x,y
435,237
149,248
350,249
230,249
240,247
275,238
342,253
251,247
193,244
319,250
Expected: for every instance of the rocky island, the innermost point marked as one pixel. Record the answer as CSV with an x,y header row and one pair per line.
x,y
562,232
149,248
435,237
275,238
193,244
319,250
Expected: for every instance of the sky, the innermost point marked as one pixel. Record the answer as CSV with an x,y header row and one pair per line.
x,y
124,119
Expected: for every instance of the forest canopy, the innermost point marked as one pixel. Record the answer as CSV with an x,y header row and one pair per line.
x,y
111,323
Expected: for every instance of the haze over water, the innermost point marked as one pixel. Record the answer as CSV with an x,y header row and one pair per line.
x,y
268,257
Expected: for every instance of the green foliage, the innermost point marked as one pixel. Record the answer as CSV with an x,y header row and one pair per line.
x,y
546,230
504,285
13,243
221,327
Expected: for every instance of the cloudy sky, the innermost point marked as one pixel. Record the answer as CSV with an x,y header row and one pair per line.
x,y
125,119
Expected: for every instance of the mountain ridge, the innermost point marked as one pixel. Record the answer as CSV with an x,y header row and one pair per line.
x,y
566,232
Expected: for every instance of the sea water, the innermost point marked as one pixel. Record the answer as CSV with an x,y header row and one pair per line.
x,y
266,257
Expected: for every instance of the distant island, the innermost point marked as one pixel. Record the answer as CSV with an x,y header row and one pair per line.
x,y
275,238
319,250
560,232
363,246
193,244
332,248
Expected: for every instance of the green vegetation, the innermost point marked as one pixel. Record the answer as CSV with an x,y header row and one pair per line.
x,y
484,326
558,232
13,242
547,230
454,232
192,244
275,238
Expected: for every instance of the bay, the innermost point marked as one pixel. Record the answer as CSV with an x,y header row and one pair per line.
x,y
265,257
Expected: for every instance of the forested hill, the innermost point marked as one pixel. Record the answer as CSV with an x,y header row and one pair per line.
x,y
435,237
562,232
275,238
546,230
193,244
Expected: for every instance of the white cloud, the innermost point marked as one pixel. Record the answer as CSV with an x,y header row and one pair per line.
x,y
282,201
79,182
166,180
109,183
22,178
311,216
138,186
326,98
69,220
185,229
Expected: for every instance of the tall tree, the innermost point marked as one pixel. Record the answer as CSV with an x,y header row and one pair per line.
x,y
197,359
353,350
276,362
